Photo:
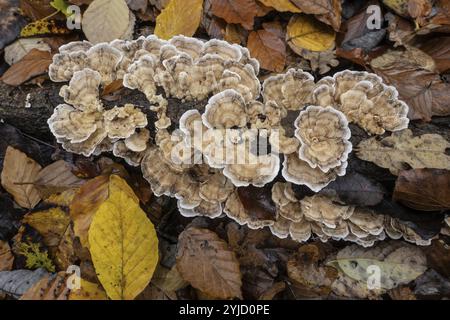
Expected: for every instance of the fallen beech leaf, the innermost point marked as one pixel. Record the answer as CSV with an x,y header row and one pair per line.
x,y
356,189
304,32
48,288
257,202
32,64
16,283
44,27
400,263
6,257
310,276
269,49
423,189
168,280
19,48
328,11
123,243
206,262
88,291
63,199
234,33
411,72
236,11
179,17
438,257
106,20
439,49
51,224
17,176
56,177
281,5
273,291
393,152
87,200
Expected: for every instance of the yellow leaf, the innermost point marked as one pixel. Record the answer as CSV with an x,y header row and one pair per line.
x,y
51,224
281,5
18,174
41,27
88,291
123,243
179,17
305,32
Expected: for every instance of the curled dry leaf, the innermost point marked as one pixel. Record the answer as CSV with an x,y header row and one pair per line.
x,y
18,174
6,257
401,150
306,33
123,243
236,11
268,48
179,17
206,262
423,189
34,63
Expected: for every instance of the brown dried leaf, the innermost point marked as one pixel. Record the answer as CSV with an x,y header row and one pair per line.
x,y
55,178
18,174
6,257
307,271
439,49
281,5
85,203
268,48
34,63
206,262
423,189
420,87
236,11
328,11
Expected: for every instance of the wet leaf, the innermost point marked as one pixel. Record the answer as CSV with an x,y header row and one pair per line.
x,y
179,17
423,189
257,202
123,243
17,176
206,262
402,149
306,33
10,21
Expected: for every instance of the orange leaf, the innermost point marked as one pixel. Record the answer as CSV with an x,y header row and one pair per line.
x,y
236,11
269,49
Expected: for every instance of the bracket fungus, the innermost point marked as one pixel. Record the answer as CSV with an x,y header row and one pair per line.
x,y
235,139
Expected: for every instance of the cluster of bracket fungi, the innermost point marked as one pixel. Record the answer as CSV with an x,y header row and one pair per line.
x,y
214,150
